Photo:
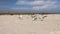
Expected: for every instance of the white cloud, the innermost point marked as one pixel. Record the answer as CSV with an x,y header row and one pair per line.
x,y
19,8
45,4
31,3
36,2
20,2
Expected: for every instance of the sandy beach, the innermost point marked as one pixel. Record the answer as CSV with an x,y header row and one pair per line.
x,y
30,24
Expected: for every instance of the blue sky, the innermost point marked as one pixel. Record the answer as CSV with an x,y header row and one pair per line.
x,y
31,5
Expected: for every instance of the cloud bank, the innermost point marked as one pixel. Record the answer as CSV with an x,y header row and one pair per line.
x,y
35,4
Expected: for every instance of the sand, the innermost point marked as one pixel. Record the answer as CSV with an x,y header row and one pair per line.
x,y
30,24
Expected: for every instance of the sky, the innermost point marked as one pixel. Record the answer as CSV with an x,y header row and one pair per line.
x,y
31,5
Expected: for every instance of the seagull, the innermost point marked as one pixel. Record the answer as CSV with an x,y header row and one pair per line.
x,y
34,17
